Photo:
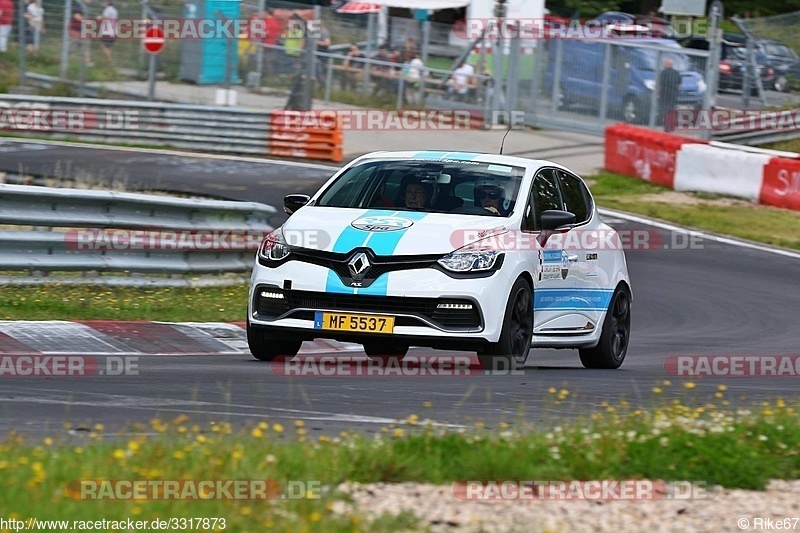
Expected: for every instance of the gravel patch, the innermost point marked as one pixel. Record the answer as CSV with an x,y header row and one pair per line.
x,y
440,510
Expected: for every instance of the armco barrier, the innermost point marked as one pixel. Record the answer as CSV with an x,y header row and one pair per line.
x,y
195,127
781,183
111,232
643,153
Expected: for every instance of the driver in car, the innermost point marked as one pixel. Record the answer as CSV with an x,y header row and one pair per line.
x,y
416,196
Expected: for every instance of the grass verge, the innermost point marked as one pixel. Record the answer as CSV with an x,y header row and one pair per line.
x,y
81,302
769,225
792,145
734,449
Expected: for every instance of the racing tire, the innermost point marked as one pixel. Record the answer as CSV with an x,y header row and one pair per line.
x,y
511,350
265,348
610,351
384,351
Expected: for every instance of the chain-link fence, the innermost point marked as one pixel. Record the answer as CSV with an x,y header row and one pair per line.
x,y
379,61
60,51
590,82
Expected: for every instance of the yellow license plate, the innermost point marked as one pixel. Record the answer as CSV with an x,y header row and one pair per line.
x,y
348,322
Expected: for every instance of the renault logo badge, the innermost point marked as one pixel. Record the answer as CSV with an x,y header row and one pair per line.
x,y
358,265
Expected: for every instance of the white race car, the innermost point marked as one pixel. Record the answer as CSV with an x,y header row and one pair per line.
x,y
449,250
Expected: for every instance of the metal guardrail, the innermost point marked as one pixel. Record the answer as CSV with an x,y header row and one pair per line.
x,y
195,127
757,136
111,232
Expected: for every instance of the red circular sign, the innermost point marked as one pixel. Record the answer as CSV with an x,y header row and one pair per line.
x,y
154,40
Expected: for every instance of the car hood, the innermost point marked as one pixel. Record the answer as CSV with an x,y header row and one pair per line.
x,y
690,81
387,232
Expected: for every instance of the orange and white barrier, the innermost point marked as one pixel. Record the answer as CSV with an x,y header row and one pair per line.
x,y
290,139
687,164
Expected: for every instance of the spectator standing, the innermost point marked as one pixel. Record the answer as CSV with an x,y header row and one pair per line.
x,y
108,23
272,32
461,82
324,46
80,11
350,76
35,16
6,23
293,44
669,84
412,72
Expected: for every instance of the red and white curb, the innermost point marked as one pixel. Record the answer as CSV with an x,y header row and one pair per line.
x,y
104,337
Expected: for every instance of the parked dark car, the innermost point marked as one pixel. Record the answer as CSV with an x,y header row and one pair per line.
x,y
733,62
783,59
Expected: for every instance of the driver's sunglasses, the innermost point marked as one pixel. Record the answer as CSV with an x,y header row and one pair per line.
x,y
492,195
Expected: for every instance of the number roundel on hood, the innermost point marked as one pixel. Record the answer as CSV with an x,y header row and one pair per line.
x,y
382,223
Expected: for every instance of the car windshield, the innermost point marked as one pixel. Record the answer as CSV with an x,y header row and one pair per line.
x,y
780,50
740,52
441,186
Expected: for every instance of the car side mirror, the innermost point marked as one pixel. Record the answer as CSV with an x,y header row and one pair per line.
x,y
556,220
293,202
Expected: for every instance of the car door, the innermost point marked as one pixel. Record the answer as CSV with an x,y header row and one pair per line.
x,y
591,295
555,275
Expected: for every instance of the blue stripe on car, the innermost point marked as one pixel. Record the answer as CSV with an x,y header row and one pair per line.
x,y
382,243
353,238
437,154
430,154
572,299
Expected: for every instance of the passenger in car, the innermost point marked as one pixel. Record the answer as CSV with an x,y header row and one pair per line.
x,y
491,195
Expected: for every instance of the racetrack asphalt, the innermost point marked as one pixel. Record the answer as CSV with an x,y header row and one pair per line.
x,y
711,299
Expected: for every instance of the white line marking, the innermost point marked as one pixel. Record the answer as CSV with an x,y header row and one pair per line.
x,y
177,153
710,236
139,403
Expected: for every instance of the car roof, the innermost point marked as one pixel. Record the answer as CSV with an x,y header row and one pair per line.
x,y
461,156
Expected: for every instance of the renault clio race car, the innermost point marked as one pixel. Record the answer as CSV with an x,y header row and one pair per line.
x,y
449,250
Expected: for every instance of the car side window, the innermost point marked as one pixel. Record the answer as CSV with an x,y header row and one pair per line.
x,y
544,196
576,197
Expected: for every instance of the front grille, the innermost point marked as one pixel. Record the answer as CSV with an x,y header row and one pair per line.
x,y
426,308
380,264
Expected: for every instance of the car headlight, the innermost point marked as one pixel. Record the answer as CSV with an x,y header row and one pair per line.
x,y
650,84
471,258
701,86
274,247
